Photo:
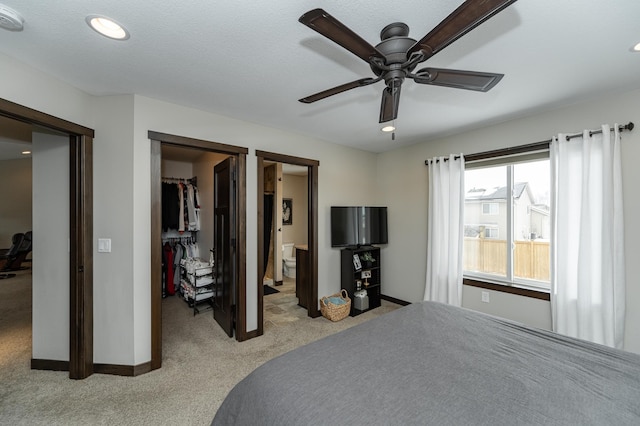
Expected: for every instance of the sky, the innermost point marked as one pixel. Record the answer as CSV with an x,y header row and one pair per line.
x,y
536,173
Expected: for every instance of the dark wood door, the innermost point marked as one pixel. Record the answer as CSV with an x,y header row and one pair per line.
x,y
224,232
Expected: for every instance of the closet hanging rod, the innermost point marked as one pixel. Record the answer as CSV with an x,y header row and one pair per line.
x,y
536,146
192,180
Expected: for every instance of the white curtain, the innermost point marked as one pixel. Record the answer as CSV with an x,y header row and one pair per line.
x,y
445,226
588,282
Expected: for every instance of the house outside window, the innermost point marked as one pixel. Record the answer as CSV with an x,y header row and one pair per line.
x,y
490,208
491,232
507,206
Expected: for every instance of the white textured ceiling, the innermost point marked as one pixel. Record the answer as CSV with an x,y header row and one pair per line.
x,y
253,60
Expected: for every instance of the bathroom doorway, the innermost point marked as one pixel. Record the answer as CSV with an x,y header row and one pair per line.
x,y
285,241
291,210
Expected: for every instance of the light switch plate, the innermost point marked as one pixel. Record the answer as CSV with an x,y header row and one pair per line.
x,y
104,245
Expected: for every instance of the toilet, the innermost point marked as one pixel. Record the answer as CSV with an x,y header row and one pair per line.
x,y
288,260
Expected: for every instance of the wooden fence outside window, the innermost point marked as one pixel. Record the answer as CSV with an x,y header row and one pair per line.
x,y
530,259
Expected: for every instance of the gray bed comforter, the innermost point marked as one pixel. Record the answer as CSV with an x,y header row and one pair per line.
x,y
433,364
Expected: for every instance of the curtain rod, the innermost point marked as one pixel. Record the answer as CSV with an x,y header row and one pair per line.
x,y
536,146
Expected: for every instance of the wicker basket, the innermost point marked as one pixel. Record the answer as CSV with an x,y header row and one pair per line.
x,y
335,312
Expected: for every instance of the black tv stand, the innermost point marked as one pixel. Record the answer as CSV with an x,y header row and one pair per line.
x,y
350,274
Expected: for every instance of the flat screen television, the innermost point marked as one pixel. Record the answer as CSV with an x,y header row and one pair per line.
x,y
358,226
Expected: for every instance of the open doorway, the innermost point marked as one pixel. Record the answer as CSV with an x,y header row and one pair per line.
x,y
196,162
274,245
80,252
285,242
15,220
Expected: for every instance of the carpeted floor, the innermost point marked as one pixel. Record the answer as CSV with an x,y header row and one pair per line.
x,y
200,365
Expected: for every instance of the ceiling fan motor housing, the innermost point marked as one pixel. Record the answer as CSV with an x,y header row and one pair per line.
x,y
394,46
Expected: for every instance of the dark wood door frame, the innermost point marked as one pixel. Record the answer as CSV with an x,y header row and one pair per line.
x,y
312,229
80,363
157,140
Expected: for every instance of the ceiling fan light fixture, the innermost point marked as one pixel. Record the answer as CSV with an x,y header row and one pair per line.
x,y
107,27
388,128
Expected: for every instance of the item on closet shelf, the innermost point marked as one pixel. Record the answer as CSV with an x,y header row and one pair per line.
x,y
201,281
196,266
197,282
198,294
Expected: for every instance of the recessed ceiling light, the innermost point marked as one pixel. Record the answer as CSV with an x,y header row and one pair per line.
x,y
26,152
388,128
636,48
107,27
10,19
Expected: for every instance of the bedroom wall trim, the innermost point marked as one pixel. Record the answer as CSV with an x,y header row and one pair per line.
x,y
394,300
520,291
123,370
49,365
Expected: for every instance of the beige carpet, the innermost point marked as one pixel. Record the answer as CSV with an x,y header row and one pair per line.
x,y
200,365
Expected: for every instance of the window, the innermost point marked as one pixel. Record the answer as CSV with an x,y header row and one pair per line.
x,y
490,232
490,208
507,221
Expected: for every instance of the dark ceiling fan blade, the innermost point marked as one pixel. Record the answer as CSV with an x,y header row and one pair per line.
x,y
330,27
390,102
470,80
339,89
462,20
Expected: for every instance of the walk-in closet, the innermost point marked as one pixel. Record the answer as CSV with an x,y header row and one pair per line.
x,y
188,243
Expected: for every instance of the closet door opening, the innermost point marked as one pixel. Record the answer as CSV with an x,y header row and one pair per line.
x,y
195,250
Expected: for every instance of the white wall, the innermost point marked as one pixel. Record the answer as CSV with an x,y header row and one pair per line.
x,y
404,264
15,193
32,88
115,327
50,269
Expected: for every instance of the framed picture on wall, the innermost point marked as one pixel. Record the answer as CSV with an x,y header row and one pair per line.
x,y
287,211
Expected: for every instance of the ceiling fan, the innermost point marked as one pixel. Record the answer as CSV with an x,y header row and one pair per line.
x,y
397,55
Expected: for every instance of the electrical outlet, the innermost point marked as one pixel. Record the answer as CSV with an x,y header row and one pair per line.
x,y
485,296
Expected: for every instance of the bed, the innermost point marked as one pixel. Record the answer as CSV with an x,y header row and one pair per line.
x,y
434,364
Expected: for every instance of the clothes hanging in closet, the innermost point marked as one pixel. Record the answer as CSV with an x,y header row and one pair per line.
x,y
169,276
176,251
180,206
170,213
